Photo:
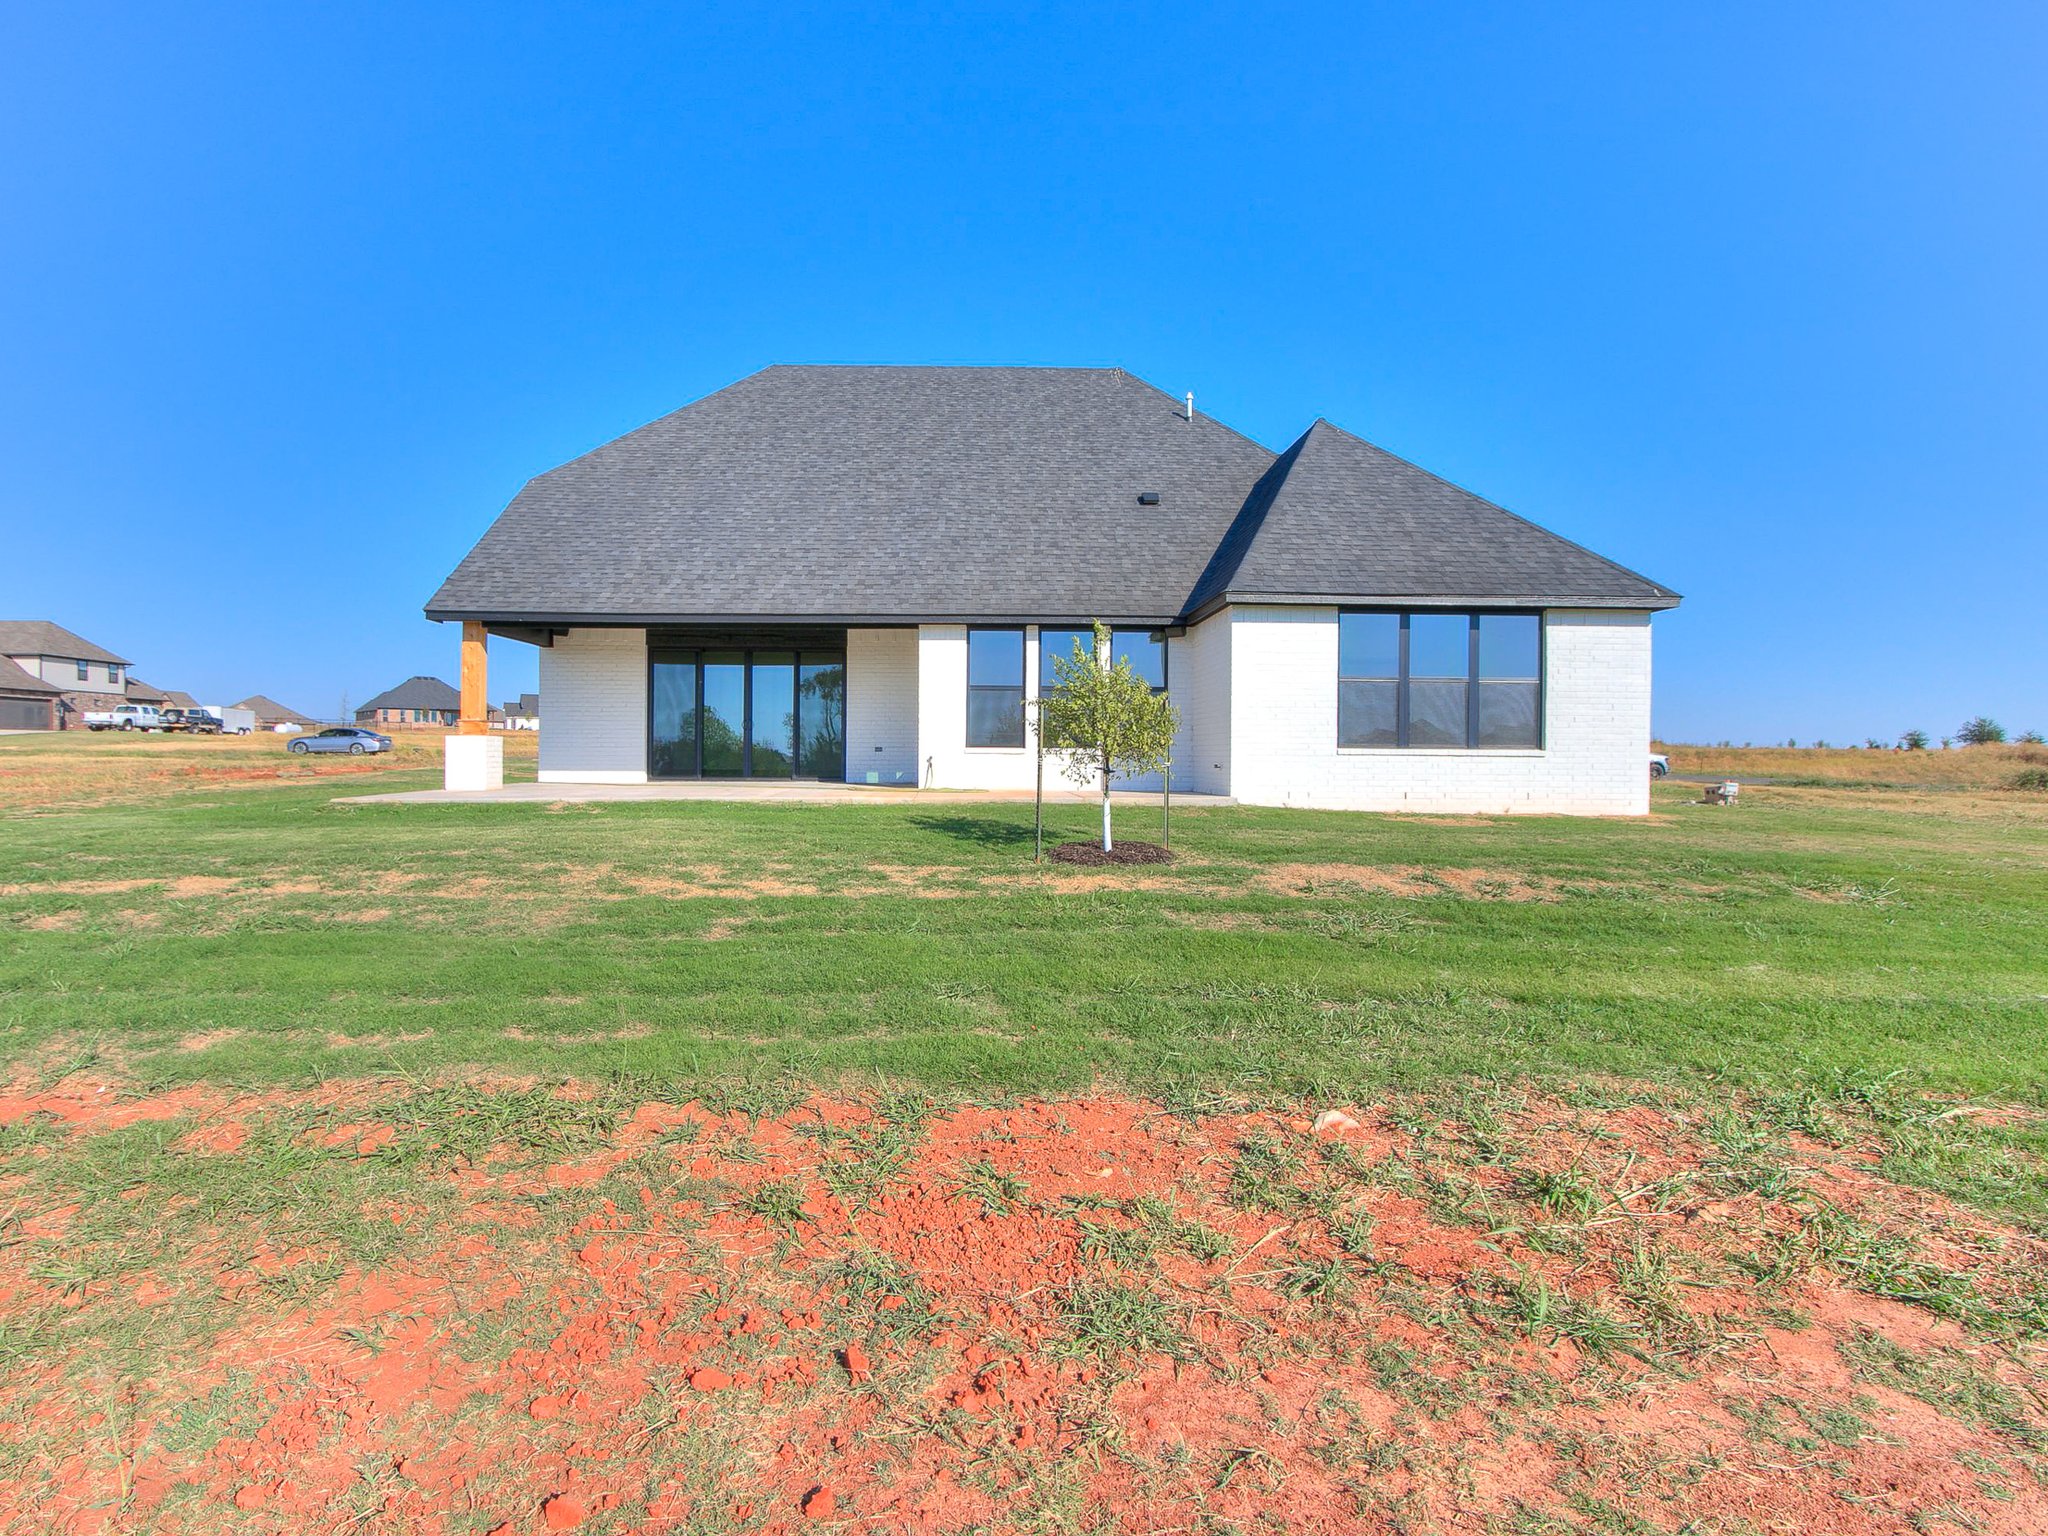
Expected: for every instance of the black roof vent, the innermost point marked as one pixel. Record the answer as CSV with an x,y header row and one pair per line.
x,y
1148,498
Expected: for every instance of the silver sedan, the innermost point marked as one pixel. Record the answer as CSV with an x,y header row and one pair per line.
x,y
352,739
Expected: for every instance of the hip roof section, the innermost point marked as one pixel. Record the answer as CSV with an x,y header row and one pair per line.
x,y
906,494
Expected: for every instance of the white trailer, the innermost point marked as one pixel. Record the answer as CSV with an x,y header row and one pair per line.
x,y
233,721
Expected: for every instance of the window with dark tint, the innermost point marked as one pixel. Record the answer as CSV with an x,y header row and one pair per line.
x,y
1061,643
773,717
1440,680
1369,680
84,671
723,734
1146,655
995,688
821,717
1439,667
1510,679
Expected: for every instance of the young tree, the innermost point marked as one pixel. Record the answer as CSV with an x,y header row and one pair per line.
x,y
1105,720
1980,732
1914,741
2029,738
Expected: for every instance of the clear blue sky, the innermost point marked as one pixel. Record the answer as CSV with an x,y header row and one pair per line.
x,y
294,298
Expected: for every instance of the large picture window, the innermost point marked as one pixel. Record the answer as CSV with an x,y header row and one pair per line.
x,y
995,688
1443,680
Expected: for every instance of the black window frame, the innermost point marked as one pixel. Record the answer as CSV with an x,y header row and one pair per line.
x,y
1402,679
801,653
1165,684
1023,688
1047,679
84,671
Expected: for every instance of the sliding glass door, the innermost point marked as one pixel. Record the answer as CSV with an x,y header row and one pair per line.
x,y
766,714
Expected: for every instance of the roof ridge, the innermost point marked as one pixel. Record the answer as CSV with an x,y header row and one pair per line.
x,y
1527,522
1244,529
1218,420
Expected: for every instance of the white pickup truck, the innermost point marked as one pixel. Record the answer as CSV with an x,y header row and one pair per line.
x,y
125,717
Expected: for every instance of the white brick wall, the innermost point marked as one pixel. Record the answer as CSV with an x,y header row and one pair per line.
x,y
1198,672
942,719
1257,691
1283,731
944,758
595,729
881,706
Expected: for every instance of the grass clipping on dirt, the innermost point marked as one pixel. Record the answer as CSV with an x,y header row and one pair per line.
x,y
369,1305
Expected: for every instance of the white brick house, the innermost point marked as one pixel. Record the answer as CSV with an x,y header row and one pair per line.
x,y
860,574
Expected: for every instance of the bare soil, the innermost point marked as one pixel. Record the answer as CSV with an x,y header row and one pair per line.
x,y
1030,1316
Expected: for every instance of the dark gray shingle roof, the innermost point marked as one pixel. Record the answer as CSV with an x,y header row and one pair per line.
x,y
875,492
39,637
912,493
415,693
1342,520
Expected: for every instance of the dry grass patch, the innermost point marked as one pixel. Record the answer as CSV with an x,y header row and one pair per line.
x,y
70,769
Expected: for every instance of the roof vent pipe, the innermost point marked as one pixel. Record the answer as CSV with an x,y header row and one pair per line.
x,y
1191,405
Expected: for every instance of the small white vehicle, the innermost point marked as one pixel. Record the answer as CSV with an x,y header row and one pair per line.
x,y
125,717
1659,765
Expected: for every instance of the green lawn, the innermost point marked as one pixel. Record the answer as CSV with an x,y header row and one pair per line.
x,y
1803,935
1641,1102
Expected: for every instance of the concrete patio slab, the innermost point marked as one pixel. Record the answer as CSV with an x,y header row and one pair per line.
x,y
754,791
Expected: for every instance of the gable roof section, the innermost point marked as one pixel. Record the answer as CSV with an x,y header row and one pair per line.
x,y
15,679
39,637
834,494
415,693
269,712
1341,520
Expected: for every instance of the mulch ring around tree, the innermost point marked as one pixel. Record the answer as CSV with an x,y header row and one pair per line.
x,y
1122,853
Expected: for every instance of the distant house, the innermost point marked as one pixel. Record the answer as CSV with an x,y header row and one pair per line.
x,y
176,699
27,703
86,676
520,714
273,716
416,701
140,692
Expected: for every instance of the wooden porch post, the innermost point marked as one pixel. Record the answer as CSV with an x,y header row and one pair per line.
x,y
476,695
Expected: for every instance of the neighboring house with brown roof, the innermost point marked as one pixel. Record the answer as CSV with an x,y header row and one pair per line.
x,y
416,701
271,715
87,676
27,703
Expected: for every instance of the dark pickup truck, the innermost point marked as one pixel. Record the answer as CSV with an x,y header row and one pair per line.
x,y
196,721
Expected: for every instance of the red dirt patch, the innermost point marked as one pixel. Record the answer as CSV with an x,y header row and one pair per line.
x,y
696,1320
